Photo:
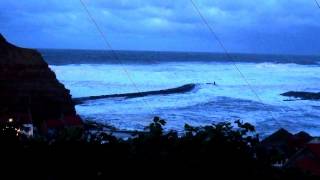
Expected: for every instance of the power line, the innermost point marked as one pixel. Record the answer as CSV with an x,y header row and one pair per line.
x,y
109,46
317,3
114,54
228,54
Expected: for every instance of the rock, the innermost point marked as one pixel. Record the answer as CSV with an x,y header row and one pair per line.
x,y
302,95
29,86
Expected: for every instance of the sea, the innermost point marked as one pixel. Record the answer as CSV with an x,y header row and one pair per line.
x,y
247,88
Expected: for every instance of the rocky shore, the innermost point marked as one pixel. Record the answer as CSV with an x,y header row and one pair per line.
x,y
299,95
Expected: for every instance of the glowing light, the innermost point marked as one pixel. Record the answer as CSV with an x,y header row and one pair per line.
x,y
10,120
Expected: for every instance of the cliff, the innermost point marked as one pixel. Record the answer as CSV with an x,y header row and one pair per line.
x,y
29,87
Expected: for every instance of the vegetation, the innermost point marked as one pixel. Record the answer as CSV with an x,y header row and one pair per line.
x,y
215,151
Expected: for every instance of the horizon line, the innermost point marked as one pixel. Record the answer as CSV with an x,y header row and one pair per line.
x,y
180,51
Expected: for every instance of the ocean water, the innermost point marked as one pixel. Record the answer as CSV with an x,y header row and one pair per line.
x,y
88,73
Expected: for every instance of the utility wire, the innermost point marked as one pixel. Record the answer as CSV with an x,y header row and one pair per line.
x,y
111,48
228,54
317,3
114,54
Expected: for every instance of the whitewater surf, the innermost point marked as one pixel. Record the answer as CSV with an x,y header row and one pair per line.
x,y
94,73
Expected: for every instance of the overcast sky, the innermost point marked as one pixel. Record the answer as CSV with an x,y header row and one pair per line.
x,y
251,26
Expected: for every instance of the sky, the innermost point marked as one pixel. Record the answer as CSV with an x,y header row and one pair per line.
x,y
245,26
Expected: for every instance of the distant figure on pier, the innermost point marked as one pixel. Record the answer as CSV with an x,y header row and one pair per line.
x,y
214,83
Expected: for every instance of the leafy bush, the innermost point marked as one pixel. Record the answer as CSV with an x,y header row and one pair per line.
x,y
218,150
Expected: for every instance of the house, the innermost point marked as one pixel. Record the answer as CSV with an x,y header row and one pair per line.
x,y
23,124
52,126
307,159
22,121
282,145
299,140
279,142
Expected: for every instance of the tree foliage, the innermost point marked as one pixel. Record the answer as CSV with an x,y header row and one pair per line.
x,y
218,151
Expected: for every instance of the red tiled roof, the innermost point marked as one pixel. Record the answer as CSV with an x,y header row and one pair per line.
x,y
309,159
66,121
309,164
54,123
73,120
315,149
298,142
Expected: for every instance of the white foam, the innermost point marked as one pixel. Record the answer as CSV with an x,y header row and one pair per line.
x,y
268,81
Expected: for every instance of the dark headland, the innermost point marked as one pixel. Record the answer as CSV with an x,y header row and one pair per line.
x,y
30,92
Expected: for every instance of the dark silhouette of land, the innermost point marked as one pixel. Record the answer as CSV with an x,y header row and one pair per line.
x,y
181,89
303,95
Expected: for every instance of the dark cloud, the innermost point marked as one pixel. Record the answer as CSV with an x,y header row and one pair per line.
x,y
273,26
